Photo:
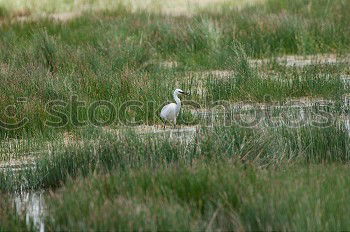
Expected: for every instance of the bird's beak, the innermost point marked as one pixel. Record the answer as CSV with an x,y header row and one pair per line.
x,y
185,93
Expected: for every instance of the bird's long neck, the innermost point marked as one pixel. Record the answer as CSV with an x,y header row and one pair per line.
x,y
178,101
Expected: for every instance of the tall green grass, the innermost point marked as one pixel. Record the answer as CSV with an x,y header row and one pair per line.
x,y
282,87
302,26
247,83
9,219
201,197
101,152
116,55
224,178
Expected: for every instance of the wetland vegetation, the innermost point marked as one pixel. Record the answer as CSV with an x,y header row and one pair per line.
x,y
262,141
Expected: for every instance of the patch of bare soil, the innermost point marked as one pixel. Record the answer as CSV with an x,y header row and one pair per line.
x,y
301,61
183,134
31,10
184,7
62,17
227,107
17,164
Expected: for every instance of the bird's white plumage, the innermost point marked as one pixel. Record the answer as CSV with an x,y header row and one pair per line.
x,y
171,111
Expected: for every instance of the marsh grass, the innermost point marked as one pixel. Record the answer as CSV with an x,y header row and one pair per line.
x,y
3,12
47,51
256,88
9,219
289,27
114,55
222,196
97,151
222,178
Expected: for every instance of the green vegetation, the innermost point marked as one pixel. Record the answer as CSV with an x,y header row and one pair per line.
x,y
9,220
248,84
100,173
175,183
222,197
297,27
117,56
109,152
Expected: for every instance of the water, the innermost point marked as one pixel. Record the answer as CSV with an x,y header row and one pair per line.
x,y
183,134
32,206
347,124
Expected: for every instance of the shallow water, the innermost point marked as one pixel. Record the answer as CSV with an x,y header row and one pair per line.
x,y
32,206
347,124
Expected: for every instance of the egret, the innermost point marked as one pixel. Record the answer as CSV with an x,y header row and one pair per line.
x,y
171,111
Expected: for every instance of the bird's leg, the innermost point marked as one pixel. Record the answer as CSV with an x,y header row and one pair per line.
x,y
164,125
174,123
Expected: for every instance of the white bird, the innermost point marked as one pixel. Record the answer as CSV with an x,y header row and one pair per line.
x,y
172,110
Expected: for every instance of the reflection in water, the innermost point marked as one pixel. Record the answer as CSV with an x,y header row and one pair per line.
x,y
347,125
32,205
